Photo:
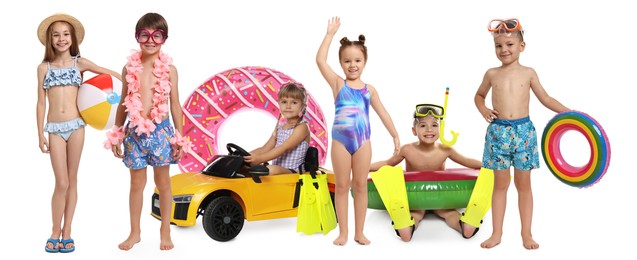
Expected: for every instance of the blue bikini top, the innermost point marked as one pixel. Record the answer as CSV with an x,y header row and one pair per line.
x,y
69,76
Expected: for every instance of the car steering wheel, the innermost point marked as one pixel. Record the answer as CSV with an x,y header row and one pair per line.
x,y
234,149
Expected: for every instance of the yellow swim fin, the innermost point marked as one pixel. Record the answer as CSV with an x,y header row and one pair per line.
x,y
390,183
308,217
326,208
480,200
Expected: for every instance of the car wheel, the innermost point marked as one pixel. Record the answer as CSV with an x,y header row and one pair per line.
x,y
223,219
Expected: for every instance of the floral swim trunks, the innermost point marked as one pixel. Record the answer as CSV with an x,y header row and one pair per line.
x,y
511,143
153,149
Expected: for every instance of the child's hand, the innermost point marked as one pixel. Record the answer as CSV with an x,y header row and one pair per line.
x,y
333,25
253,159
177,152
44,145
117,151
489,114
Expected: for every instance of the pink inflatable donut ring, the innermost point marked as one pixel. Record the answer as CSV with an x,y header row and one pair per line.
x,y
222,95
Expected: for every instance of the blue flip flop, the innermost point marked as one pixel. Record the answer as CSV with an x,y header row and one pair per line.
x,y
55,243
63,249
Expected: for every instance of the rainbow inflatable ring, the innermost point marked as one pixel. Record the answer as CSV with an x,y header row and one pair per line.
x,y
599,161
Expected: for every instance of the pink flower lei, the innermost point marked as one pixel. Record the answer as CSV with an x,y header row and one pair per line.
x,y
133,103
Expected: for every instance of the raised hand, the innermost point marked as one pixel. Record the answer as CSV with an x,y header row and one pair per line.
x,y
333,24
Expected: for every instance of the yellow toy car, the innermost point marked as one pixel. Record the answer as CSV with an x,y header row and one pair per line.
x,y
225,196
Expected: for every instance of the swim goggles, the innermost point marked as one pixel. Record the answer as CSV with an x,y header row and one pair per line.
x,y
423,110
157,36
504,26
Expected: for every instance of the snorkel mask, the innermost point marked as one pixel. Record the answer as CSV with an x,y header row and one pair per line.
x,y
423,110
505,27
439,112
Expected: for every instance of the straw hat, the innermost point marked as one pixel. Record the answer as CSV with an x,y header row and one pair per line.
x,y
44,25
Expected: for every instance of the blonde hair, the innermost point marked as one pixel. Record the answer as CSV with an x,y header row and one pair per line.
x,y
293,90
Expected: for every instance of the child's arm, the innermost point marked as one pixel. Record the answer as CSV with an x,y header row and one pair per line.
x,y
393,161
544,98
487,113
120,117
267,146
321,57
41,108
384,117
175,111
299,134
85,64
463,160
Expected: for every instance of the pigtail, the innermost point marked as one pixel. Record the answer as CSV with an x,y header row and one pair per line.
x,y
361,39
345,41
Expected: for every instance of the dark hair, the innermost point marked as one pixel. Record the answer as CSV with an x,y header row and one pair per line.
x,y
152,20
49,51
360,44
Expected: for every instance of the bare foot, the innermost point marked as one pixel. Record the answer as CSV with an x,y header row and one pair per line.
x,y
341,240
166,245
491,242
362,240
166,242
468,231
406,233
529,243
129,242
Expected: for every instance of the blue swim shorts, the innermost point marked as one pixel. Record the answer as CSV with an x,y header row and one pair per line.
x,y
511,143
153,149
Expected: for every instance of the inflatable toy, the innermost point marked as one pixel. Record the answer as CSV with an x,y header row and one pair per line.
x,y
448,189
454,135
599,160
233,90
97,100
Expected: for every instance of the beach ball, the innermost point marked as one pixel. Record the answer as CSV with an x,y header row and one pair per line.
x,y
98,99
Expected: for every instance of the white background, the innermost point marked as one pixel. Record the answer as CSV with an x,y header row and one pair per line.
x,y
583,52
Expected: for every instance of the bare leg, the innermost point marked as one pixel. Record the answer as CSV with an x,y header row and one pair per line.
x,y
74,148
499,201
452,218
342,168
276,169
360,170
162,181
522,180
136,197
58,200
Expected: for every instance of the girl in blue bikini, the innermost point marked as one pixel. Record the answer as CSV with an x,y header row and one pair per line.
x,y
351,149
59,79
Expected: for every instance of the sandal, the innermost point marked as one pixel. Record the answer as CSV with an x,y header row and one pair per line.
x,y
55,243
65,242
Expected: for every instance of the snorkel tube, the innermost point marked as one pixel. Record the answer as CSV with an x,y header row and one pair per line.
x,y
442,125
